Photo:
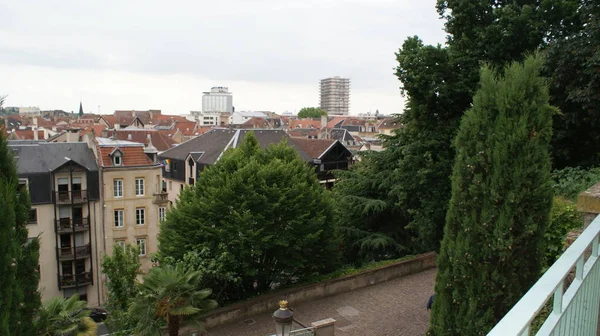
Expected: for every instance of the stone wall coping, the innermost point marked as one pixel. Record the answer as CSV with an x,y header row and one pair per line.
x,y
266,302
323,323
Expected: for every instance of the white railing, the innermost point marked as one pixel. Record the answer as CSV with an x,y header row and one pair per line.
x,y
574,311
302,332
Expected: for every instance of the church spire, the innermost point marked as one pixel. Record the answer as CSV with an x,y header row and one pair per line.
x,y
80,109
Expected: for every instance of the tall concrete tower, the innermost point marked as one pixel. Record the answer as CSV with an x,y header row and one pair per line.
x,y
335,95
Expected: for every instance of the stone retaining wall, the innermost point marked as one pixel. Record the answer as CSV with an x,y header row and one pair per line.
x,y
270,302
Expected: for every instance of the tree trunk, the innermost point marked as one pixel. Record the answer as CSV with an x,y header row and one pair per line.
x,y
173,325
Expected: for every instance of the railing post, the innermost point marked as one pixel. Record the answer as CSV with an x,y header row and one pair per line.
x,y
558,296
324,327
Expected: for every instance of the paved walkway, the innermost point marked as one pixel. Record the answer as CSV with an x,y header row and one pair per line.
x,y
393,308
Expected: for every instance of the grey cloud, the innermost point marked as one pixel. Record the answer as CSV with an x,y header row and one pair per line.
x,y
271,41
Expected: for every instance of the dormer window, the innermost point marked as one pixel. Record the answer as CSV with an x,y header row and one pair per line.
x,y
117,157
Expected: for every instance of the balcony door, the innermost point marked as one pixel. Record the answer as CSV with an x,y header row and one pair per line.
x,y
63,189
76,187
77,216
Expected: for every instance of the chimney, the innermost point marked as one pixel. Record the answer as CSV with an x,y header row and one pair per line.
x,y
133,113
35,133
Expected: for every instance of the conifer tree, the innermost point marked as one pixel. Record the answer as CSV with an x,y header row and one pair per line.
x,y
501,198
19,299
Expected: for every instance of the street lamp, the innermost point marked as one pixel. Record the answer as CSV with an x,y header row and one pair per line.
x,y
283,319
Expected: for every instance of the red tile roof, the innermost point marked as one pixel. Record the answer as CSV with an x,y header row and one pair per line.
x,y
187,128
305,123
303,133
132,156
28,134
256,122
313,147
336,120
160,139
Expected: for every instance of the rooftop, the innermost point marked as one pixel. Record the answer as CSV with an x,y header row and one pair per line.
x,y
108,142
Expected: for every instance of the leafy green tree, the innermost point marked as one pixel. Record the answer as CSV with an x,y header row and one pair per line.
x,y
311,112
573,61
501,198
564,218
61,317
570,182
171,296
262,212
122,269
439,84
19,299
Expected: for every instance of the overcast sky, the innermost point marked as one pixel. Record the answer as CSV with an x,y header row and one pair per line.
x,y
130,54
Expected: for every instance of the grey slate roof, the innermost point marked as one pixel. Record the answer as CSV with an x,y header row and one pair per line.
x,y
341,134
214,142
44,157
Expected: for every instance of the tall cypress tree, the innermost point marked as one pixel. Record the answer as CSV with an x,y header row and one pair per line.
x,y
19,299
501,198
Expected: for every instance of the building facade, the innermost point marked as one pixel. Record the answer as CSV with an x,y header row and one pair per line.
x,y
63,183
335,95
218,99
133,199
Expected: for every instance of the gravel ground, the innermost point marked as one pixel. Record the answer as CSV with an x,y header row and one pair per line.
x,y
393,308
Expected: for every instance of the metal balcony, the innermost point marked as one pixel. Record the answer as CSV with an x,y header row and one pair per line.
x,y
66,225
160,198
575,305
70,253
73,280
70,197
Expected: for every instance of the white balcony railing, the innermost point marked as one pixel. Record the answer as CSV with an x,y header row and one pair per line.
x,y
574,310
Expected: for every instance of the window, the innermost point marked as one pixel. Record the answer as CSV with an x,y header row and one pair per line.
x,y
120,243
117,159
162,212
139,186
170,185
118,188
32,216
181,187
141,243
140,214
174,166
119,218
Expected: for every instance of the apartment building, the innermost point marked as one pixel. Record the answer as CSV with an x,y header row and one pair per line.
x,y
132,193
335,95
63,182
184,163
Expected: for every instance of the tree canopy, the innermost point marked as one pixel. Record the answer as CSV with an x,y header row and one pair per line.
x,y
122,269
311,112
412,175
492,249
261,213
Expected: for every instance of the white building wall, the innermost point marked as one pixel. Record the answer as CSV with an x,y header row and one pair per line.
x,y
219,99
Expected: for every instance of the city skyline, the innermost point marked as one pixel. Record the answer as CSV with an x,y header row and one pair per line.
x,y
57,56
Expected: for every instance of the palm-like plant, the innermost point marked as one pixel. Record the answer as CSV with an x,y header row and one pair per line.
x,y
170,295
59,316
